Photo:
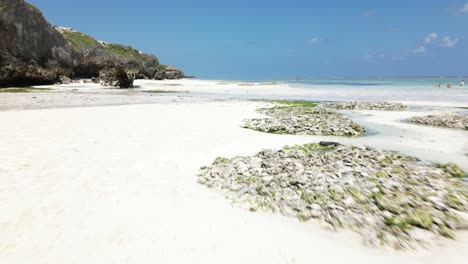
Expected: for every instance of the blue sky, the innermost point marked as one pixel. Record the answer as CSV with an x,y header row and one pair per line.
x,y
257,38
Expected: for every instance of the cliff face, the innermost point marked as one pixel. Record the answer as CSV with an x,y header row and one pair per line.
x,y
33,52
93,55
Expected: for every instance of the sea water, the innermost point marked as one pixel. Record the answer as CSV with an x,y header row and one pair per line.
x,y
375,88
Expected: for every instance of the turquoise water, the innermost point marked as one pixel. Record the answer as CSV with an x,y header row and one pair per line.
x,y
367,81
369,88
384,81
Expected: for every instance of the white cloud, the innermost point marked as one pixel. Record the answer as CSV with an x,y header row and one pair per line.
x,y
419,50
430,38
449,42
464,9
313,41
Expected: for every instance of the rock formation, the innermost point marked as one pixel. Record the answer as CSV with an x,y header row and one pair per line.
x,y
116,77
33,52
93,56
171,72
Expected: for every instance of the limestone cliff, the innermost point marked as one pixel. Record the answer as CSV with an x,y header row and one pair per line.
x,y
33,52
93,55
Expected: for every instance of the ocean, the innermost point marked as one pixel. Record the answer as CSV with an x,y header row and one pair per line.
x,y
373,88
424,81
383,81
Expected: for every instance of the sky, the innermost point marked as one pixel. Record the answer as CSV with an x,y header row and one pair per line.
x,y
270,38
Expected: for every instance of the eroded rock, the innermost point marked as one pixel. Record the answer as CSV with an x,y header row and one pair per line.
x,y
32,52
171,72
116,77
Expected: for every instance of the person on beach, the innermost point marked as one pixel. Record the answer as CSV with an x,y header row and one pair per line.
x,y
439,85
462,83
449,85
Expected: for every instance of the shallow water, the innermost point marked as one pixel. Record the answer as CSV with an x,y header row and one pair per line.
x,y
417,81
420,89
389,93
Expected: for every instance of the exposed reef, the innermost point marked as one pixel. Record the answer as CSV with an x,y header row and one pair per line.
x,y
358,105
447,120
303,119
390,199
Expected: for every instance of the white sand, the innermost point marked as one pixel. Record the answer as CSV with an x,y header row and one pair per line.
x,y
116,184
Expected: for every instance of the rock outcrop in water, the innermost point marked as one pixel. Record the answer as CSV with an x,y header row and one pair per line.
x,y
33,52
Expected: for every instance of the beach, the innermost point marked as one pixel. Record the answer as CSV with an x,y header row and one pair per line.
x,y
93,175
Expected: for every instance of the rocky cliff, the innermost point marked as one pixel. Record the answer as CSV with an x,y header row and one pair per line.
x,y
33,52
93,55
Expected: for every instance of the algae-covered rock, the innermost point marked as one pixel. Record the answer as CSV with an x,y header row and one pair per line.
x,y
301,120
389,198
455,121
453,169
357,105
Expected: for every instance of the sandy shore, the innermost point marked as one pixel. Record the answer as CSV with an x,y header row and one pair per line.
x,y
116,184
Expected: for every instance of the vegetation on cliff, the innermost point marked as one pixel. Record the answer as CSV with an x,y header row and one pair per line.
x,y
78,40
81,42
97,55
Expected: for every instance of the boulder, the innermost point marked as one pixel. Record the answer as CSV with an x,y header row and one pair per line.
x,y
116,77
172,72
